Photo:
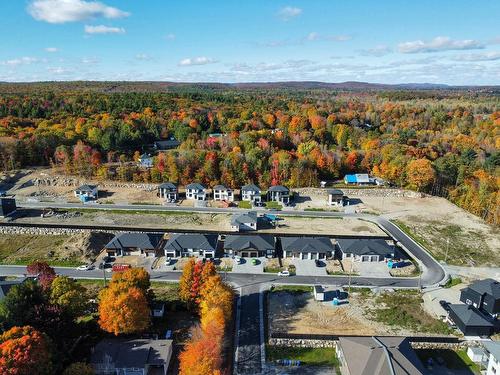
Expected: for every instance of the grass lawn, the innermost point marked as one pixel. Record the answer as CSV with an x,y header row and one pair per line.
x,y
292,288
272,205
245,204
128,211
452,282
307,356
454,360
402,308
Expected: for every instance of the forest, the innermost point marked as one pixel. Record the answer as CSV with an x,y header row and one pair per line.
x,y
442,142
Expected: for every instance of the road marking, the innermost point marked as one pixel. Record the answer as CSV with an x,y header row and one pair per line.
x,y
237,333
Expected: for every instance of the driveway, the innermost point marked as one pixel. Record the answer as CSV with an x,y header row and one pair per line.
x,y
306,267
373,269
246,266
432,298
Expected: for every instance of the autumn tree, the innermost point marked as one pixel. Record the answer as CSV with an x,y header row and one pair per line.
x,y
216,294
18,306
186,281
79,368
43,272
69,295
123,309
25,351
420,173
133,277
201,355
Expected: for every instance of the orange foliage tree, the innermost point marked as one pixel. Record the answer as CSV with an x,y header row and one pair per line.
x,y
25,351
420,173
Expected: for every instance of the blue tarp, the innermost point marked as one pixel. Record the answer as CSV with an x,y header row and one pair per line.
x,y
350,178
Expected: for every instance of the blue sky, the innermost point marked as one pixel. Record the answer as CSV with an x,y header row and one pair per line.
x,y
384,41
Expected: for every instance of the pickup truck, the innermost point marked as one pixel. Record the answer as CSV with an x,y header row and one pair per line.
x,y
120,267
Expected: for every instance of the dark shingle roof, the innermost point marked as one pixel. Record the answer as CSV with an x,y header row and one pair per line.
x,y
261,242
195,186
167,143
335,192
247,217
280,188
487,286
180,242
135,240
86,187
126,353
307,244
220,187
470,316
251,187
167,185
365,246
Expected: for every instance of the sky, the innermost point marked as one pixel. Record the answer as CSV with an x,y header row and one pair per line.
x,y
453,42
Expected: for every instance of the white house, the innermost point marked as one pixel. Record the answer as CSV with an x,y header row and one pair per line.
x,y
196,192
191,245
222,193
87,192
368,250
244,222
493,349
251,193
168,192
336,197
279,193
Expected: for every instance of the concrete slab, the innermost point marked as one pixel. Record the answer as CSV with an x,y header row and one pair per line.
x,y
246,266
372,269
306,267
432,298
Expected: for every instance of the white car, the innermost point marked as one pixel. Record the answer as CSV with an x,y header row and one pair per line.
x,y
84,267
168,261
237,260
284,273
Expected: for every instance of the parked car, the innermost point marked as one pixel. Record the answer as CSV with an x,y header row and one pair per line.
x,y
318,263
108,259
3,193
445,305
85,267
284,273
258,204
237,260
255,262
119,267
168,261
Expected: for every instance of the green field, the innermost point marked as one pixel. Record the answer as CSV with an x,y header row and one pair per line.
x,y
307,356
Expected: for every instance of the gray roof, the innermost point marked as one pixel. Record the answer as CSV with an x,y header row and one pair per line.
x,y
145,156
307,244
180,242
335,192
251,187
167,143
167,185
126,353
262,242
86,187
280,188
493,347
365,246
135,240
247,217
220,187
486,286
380,356
6,285
470,316
362,177
195,186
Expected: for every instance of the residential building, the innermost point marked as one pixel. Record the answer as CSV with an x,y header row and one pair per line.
x,y
191,245
122,356
484,295
244,222
358,179
87,192
279,193
147,244
470,320
368,250
222,193
168,192
336,198
166,144
493,351
250,246
196,191
307,247
251,193
377,356
7,206
477,354
145,161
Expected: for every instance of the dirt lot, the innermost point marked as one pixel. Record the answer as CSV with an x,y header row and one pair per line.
x,y
57,249
365,314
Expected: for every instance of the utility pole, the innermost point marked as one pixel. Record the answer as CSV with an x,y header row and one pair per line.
x,y
447,248
350,276
104,274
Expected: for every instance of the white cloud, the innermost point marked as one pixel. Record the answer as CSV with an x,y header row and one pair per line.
x,y
200,60
287,13
61,11
378,51
487,56
101,29
90,60
143,56
20,61
51,49
170,36
438,44
59,70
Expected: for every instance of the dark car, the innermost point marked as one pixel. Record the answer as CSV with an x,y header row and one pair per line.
x,y
445,305
318,263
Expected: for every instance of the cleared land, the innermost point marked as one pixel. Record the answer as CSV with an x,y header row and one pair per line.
x,y
399,312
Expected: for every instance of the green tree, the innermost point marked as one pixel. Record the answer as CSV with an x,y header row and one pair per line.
x,y
69,295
